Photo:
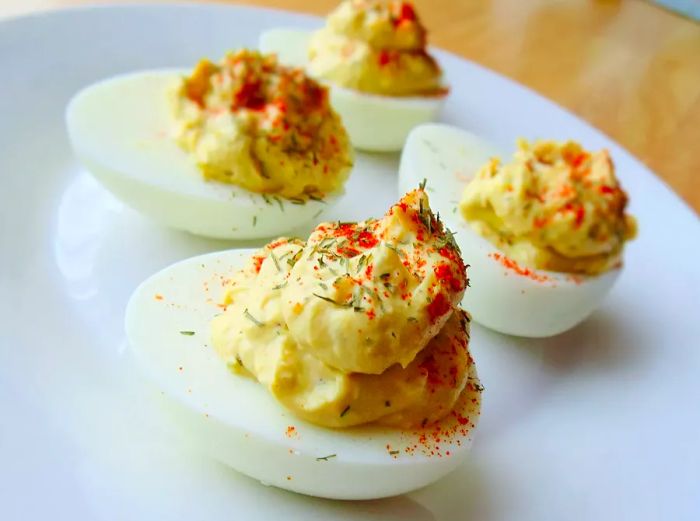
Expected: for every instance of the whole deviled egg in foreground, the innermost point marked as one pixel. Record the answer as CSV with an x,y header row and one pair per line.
x,y
373,54
245,148
544,233
336,367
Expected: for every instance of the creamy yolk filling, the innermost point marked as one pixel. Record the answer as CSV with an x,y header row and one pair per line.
x,y
377,47
358,324
251,122
554,207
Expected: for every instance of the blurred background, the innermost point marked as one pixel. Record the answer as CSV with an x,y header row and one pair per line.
x,y
629,67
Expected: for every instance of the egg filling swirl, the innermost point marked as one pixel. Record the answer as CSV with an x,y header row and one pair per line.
x,y
270,129
359,324
555,207
376,47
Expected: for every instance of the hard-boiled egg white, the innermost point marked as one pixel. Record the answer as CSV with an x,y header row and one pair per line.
x,y
374,123
235,420
120,129
503,296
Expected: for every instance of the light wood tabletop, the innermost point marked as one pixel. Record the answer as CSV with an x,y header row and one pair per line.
x,y
628,67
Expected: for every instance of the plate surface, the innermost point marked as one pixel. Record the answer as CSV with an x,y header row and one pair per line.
x,y
598,423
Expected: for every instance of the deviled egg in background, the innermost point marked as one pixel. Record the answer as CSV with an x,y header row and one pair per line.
x,y
339,367
246,148
373,54
543,234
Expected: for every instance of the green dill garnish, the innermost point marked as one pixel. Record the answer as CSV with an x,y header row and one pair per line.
x,y
356,301
274,259
394,452
255,220
370,258
430,146
266,198
326,458
318,213
187,333
426,217
361,262
317,199
394,249
297,200
313,251
279,202
323,285
476,385
280,286
345,411
250,317
423,183
328,299
293,260
327,242
448,240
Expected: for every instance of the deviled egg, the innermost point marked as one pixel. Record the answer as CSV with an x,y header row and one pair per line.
x,y
373,54
246,148
337,367
544,234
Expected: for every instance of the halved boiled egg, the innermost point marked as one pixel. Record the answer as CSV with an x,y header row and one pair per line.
x,y
122,130
504,295
237,421
375,122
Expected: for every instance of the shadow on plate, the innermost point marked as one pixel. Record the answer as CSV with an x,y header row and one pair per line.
x,y
298,506
601,342
465,493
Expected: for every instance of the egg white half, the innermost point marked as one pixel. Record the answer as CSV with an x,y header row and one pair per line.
x,y
121,130
542,304
236,420
374,123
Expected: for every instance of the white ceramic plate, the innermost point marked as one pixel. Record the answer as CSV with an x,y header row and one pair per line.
x,y
599,423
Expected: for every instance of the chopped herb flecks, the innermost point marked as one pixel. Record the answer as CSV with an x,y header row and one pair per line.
x,y
274,259
326,458
250,317
327,299
280,286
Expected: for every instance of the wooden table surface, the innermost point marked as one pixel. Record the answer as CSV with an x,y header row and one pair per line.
x,y
629,67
